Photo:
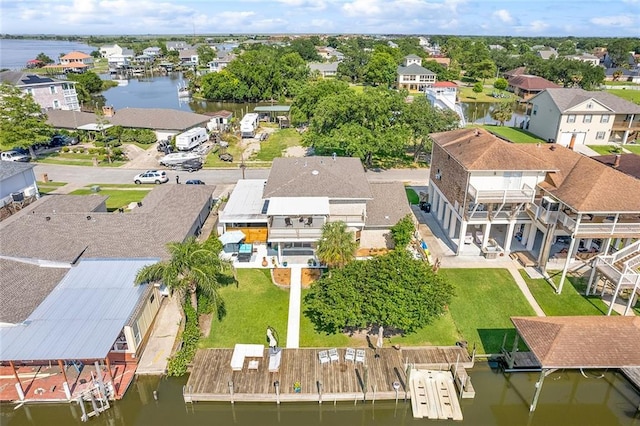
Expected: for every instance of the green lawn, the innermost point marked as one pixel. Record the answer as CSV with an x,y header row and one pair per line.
x,y
603,149
45,188
570,302
277,143
114,185
632,148
620,83
630,95
75,159
513,134
412,196
252,306
142,145
484,302
117,198
466,94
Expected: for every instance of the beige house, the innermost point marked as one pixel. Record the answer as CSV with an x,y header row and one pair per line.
x,y
574,116
413,76
492,198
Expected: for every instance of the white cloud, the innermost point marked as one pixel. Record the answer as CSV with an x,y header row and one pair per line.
x,y
538,26
503,15
362,7
613,21
306,4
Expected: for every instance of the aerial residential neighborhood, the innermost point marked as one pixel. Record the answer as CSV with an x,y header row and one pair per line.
x,y
246,223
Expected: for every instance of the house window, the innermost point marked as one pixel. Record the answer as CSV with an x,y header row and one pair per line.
x,y
604,119
56,104
571,118
30,91
600,135
52,89
136,332
587,118
535,110
411,78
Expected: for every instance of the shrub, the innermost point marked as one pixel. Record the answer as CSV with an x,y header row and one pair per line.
x,y
65,149
190,336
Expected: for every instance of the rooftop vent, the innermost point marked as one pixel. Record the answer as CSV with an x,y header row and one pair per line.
x,y
315,172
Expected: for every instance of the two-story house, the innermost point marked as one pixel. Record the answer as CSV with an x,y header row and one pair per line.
x,y
152,51
48,92
444,95
413,76
178,45
110,49
189,57
220,63
74,58
493,197
574,116
288,210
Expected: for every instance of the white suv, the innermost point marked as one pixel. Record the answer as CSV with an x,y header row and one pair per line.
x,y
151,176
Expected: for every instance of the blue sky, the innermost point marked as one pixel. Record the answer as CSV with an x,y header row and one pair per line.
x,y
615,18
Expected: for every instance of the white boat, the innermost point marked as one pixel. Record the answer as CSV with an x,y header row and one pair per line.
x,y
183,91
178,158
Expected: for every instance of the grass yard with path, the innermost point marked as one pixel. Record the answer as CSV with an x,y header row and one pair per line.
x,y
603,149
117,197
484,302
513,134
76,159
571,301
466,94
47,187
630,95
633,148
277,142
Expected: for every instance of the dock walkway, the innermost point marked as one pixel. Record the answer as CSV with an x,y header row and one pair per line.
x,y
212,379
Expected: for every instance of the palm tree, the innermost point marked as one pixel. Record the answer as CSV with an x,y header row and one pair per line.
x,y
337,246
502,113
194,267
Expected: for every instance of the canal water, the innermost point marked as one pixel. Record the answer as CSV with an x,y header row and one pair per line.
x,y
568,398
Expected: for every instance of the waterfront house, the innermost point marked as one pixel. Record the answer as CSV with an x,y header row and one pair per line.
x,y
492,197
220,63
572,117
152,51
50,93
288,210
444,95
68,270
189,57
110,49
412,76
73,58
526,86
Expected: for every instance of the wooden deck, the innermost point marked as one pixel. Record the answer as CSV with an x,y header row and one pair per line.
x,y
212,379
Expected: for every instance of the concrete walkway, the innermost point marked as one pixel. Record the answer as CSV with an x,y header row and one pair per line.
x,y
515,273
295,293
162,339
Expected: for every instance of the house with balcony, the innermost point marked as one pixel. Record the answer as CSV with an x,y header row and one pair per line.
x,y
571,117
50,93
444,95
413,76
493,198
73,58
526,86
288,210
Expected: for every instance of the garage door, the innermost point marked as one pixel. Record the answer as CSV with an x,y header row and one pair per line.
x,y
565,138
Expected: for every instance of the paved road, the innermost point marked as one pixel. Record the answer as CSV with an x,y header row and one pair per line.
x,y
79,175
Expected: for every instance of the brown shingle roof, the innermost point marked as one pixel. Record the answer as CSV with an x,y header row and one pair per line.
x,y
477,149
339,178
531,82
582,341
388,206
23,286
167,214
629,163
75,55
578,181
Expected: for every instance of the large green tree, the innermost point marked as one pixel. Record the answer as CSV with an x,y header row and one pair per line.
x,y
337,245
381,70
393,290
305,103
22,122
194,267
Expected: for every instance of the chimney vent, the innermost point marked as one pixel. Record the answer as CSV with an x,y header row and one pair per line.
x,y
616,161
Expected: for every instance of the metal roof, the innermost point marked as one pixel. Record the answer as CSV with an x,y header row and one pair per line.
x,y
245,203
81,317
272,108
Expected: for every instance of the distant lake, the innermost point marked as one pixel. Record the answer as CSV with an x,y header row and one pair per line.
x,y
14,54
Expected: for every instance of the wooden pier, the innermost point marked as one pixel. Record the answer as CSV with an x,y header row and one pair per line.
x,y
301,376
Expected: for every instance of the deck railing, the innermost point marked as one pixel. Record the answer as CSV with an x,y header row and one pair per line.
x,y
523,194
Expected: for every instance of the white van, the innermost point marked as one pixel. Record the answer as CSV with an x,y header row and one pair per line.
x,y
191,138
249,124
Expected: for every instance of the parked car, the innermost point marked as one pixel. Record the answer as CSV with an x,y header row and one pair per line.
x,y
14,156
62,140
151,176
194,182
189,165
226,157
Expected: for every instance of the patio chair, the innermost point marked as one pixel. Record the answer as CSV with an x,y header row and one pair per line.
x,y
309,221
333,355
324,357
287,222
350,355
360,355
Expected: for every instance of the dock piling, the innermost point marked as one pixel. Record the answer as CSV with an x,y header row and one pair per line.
x,y
231,390
276,385
319,386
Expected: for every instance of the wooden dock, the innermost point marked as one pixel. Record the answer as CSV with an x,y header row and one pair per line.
x,y
212,378
633,375
433,395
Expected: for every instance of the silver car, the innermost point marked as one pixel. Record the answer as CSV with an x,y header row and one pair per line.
x,y
151,176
